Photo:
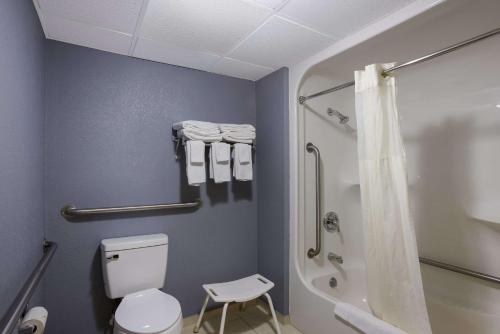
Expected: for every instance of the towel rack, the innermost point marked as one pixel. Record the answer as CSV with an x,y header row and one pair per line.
x,y
70,211
178,141
11,318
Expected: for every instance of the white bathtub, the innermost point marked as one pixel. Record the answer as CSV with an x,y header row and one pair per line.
x,y
450,306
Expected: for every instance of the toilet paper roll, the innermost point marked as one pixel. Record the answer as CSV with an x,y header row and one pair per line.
x,y
36,318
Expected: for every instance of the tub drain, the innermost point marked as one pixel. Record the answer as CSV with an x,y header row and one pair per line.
x,y
333,282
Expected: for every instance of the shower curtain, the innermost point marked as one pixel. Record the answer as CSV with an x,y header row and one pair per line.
x,y
395,291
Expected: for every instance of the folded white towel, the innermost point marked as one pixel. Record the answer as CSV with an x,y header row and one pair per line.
x,y
201,132
195,125
235,137
364,321
196,152
242,168
245,153
195,170
220,169
222,152
189,134
236,127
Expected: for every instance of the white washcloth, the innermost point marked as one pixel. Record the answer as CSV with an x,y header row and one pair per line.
x,y
236,127
195,125
245,153
235,137
195,170
220,169
222,152
192,135
196,152
364,321
242,169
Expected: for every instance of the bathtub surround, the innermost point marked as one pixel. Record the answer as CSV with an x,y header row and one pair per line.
x,y
109,120
21,145
394,281
273,180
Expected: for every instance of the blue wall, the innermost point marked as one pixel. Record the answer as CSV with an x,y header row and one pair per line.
x,y
108,143
273,180
21,145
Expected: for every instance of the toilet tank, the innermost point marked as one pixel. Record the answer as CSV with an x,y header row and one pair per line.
x,y
131,264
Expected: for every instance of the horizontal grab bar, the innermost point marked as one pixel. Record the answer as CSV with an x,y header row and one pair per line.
x,y
11,318
460,270
70,211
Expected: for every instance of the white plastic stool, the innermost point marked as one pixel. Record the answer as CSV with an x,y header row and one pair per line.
x,y
238,291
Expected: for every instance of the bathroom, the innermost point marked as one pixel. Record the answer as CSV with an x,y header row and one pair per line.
x,y
93,163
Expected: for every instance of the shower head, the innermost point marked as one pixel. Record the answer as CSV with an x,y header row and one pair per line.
x,y
343,119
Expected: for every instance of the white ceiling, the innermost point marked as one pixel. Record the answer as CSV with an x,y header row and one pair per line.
x,y
241,38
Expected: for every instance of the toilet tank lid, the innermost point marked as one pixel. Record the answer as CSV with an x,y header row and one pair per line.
x,y
138,241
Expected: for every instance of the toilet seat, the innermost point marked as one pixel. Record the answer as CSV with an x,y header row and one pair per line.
x,y
148,312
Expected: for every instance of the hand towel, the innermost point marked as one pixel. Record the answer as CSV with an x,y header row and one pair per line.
x,y
195,171
364,321
188,134
242,168
220,170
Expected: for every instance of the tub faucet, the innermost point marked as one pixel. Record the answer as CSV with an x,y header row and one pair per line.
x,y
335,257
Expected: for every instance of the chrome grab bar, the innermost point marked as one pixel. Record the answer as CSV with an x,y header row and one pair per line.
x,y
312,252
10,320
460,270
70,211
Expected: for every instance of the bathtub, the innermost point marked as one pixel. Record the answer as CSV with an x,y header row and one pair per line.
x,y
450,168
450,307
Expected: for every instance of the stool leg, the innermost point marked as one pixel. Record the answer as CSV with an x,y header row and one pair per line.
x,y
200,317
271,306
223,320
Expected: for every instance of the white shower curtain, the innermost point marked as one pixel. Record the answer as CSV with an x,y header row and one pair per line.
x,y
395,291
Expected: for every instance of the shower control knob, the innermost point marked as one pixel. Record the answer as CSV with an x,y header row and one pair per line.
x,y
331,222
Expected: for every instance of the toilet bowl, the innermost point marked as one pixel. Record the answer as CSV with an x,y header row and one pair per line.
x,y
148,312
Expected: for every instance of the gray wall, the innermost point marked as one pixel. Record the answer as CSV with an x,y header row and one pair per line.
x,y
108,143
21,145
272,156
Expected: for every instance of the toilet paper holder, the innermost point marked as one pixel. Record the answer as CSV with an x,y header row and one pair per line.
x,y
27,329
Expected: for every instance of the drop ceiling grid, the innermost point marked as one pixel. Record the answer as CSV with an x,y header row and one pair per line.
x,y
242,38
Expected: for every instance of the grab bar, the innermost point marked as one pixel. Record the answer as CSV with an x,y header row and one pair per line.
x,y
70,211
312,252
11,318
460,270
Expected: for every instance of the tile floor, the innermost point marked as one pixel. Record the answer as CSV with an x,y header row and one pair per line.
x,y
254,319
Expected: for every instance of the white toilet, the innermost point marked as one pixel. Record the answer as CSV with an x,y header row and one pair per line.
x,y
134,268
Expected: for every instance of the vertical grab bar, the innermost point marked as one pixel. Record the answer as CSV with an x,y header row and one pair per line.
x,y
312,252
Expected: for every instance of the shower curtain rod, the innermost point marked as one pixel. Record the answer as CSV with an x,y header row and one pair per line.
x,y
430,56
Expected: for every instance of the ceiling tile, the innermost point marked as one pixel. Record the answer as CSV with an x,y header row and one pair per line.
x,y
280,42
273,4
119,15
339,18
208,25
87,35
170,54
239,69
